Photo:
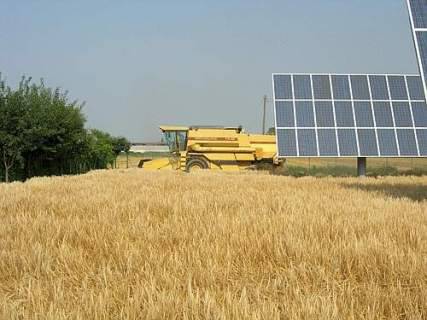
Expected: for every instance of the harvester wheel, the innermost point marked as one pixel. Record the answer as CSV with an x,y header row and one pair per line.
x,y
196,164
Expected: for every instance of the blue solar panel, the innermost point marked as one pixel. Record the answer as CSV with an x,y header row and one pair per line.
x,y
341,87
347,142
285,114
422,141
419,110
419,13
327,142
422,44
407,143
344,114
307,143
283,86
383,114
360,87
387,142
415,87
402,114
322,87
302,87
363,112
397,86
381,120
305,114
324,114
287,142
379,87
367,142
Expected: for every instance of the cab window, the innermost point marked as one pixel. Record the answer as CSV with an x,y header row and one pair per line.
x,y
181,137
176,140
170,139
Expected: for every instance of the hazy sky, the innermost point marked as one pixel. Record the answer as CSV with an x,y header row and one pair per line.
x,y
139,64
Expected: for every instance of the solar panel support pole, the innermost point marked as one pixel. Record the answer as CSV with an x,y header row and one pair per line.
x,y
263,113
361,167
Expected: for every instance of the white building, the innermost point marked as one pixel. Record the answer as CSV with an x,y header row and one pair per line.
x,y
148,147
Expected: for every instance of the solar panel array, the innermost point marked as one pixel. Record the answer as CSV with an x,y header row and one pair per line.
x,y
418,18
336,115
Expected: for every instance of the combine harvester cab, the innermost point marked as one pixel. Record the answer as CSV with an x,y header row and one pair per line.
x,y
215,148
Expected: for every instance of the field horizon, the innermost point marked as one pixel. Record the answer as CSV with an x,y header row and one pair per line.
x,y
131,244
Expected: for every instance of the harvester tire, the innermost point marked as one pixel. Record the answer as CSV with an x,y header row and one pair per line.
x,y
196,164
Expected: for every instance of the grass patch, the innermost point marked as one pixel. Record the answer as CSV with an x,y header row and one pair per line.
x,y
347,171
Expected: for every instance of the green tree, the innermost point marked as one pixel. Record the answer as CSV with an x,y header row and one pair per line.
x,y
42,132
57,132
101,149
271,131
120,144
13,127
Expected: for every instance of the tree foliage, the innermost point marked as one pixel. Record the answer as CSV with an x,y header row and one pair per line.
x,y
271,131
42,132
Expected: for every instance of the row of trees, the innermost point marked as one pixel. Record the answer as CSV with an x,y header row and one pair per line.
x,y
42,132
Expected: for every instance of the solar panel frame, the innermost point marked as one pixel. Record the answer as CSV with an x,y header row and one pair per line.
x,y
337,81
413,6
399,113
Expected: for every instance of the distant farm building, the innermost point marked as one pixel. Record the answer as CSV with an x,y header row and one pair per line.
x,y
149,148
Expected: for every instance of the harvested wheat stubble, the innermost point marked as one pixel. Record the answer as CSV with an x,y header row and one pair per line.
x,y
130,244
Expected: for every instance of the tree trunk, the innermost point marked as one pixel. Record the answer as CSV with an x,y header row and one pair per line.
x,y
28,168
127,160
6,174
25,169
6,168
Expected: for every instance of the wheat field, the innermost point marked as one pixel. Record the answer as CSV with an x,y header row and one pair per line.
x,y
129,244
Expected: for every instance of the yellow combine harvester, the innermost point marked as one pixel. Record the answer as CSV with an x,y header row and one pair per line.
x,y
215,148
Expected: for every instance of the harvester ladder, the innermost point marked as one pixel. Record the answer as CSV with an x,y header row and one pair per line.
x,y
183,161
